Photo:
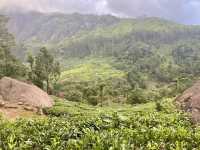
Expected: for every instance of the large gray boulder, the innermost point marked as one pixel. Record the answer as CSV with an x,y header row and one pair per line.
x,y
14,91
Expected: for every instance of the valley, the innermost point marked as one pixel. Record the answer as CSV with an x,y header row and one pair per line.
x,y
112,83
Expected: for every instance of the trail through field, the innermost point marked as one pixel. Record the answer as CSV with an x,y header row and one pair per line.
x,y
15,113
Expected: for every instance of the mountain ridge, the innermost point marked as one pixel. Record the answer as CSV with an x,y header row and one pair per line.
x,y
60,32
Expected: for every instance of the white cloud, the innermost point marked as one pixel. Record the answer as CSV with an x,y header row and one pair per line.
x,y
186,11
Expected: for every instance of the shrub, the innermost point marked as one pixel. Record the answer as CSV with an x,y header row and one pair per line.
x,y
137,97
93,100
73,95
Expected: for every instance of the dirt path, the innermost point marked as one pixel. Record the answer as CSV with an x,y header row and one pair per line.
x,y
13,114
14,111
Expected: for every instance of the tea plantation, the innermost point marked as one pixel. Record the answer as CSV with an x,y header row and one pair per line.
x,y
75,126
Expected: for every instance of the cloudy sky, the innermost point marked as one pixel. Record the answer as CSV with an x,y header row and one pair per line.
x,y
183,11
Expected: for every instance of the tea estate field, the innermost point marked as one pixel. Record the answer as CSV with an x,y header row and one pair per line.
x,y
76,126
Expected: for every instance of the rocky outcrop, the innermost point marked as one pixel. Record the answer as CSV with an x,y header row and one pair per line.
x,y
190,101
14,91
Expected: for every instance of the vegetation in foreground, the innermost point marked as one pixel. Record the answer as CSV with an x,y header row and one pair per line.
x,y
84,127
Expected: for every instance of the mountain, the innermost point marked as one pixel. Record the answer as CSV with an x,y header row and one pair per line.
x,y
34,29
152,53
54,27
79,35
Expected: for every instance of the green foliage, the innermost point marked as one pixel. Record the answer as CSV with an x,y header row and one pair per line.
x,y
43,68
137,97
93,100
64,107
92,69
105,130
74,95
86,80
159,106
7,39
187,57
38,28
115,61
9,65
147,50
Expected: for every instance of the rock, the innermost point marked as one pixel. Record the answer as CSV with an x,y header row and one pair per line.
x,y
1,98
20,103
39,111
2,103
28,108
14,91
11,106
189,101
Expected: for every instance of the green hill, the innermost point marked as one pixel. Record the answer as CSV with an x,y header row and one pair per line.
x,y
91,70
54,27
151,54
79,35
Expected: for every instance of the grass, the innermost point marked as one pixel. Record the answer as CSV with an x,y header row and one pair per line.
x,y
80,126
133,130
90,70
74,109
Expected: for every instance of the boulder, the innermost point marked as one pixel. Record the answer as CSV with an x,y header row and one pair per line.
x,y
2,103
189,101
28,108
1,98
14,91
12,106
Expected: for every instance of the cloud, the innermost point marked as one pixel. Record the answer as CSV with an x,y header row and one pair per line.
x,y
23,4
67,6
183,11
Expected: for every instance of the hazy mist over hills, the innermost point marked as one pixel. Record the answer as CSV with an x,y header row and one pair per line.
x,y
182,11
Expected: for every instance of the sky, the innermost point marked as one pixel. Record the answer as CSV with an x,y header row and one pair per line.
x,y
182,11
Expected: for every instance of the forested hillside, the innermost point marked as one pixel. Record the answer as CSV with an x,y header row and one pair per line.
x,y
83,35
9,65
149,57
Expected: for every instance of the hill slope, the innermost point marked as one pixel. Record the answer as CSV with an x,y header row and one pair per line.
x,y
83,35
151,52
54,27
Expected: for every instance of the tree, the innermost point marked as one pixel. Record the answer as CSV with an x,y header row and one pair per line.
x,y
31,61
101,92
9,65
44,69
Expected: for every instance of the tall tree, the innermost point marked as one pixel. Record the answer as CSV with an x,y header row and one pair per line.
x,y
46,69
